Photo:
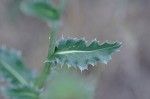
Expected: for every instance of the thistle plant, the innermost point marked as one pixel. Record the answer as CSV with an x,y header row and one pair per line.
x,y
73,52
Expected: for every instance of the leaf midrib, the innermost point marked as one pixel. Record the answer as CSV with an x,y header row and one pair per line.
x,y
13,72
80,51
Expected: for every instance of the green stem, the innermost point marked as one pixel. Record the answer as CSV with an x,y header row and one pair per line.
x,y
44,74
52,41
51,49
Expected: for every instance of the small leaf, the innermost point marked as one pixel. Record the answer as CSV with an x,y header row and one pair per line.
x,y
12,67
75,52
41,10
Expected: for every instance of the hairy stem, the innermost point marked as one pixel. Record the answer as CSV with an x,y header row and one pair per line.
x,y
51,49
44,74
52,41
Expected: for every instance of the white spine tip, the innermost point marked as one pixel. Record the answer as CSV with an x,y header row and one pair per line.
x,y
83,38
120,42
82,68
62,37
68,66
106,41
61,65
105,62
95,39
75,38
92,64
118,50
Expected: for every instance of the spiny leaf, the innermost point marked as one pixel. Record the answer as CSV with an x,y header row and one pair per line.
x,y
12,67
14,73
76,53
40,9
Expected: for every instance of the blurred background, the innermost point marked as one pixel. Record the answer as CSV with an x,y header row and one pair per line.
x,y
127,75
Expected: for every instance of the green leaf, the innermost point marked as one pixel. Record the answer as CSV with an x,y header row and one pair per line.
x,y
76,53
23,92
41,10
12,67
